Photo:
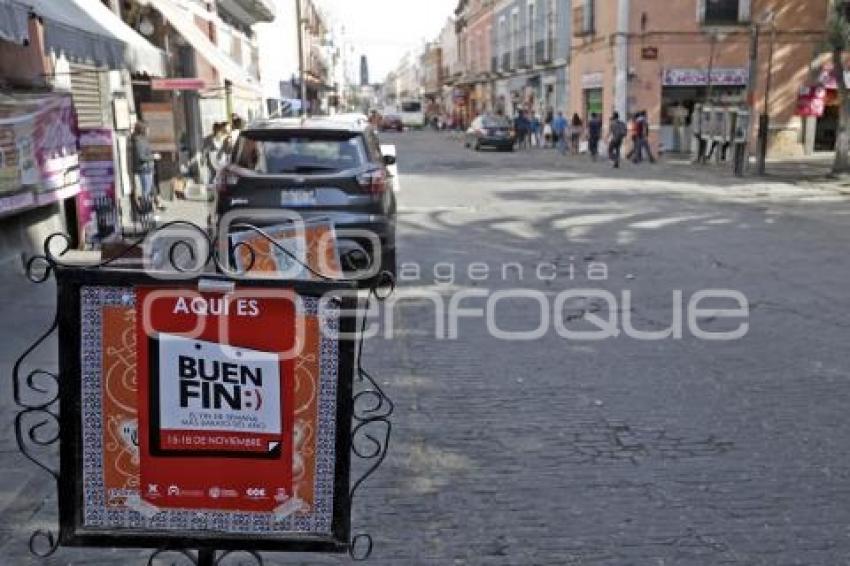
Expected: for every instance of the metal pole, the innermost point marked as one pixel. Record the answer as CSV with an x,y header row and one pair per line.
x,y
742,158
228,99
709,91
764,119
301,69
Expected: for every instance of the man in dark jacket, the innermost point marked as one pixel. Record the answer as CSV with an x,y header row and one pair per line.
x,y
594,134
617,132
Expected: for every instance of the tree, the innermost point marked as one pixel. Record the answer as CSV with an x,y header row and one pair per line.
x,y
838,37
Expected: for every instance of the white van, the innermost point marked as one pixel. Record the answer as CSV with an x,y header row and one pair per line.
x,y
412,114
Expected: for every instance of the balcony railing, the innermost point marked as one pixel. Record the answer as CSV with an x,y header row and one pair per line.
x,y
540,52
522,58
506,62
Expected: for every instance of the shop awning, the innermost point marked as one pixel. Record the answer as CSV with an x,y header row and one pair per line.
x,y
14,22
140,55
184,23
70,29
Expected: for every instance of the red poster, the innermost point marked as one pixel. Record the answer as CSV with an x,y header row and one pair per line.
x,y
216,408
811,102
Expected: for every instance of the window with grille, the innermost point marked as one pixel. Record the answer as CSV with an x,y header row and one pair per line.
x,y
722,12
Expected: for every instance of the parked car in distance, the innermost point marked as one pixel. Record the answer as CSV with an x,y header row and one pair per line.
x,y
392,122
319,168
490,131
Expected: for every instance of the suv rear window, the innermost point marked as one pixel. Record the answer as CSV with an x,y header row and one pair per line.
x,y
491,122
276,153
411,107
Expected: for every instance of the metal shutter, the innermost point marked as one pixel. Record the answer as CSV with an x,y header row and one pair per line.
x,y
87,92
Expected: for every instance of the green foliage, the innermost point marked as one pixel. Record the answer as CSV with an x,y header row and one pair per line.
x,y
838,28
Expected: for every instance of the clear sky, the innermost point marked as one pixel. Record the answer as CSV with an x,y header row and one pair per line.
x,y
384,29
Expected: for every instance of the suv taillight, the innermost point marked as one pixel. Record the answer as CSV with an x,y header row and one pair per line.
x,y
374,182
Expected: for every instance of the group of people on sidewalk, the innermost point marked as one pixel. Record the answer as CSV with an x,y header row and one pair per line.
x,y
570,136
216,150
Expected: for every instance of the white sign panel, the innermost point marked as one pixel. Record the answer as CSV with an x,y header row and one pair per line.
x,y
699,77
231,392
592,80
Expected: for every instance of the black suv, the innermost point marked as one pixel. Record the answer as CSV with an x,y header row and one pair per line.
x,y
317,167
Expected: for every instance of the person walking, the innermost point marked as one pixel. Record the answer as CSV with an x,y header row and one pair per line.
x,y
594,135
548,140
617,132
631,127
642,138
142,162
215,156
576,130
559,129
521,127
536,128
236,125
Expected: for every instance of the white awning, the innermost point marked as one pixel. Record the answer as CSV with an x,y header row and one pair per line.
x,y
139,54
182,20
69,29
14,26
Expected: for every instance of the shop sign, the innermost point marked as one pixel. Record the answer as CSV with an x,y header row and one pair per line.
x,y
699,77
217,416
159,116
649,53
97,185
592,80
290,252
178,84
811,101
38,149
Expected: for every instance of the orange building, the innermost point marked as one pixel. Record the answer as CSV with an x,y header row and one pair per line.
x,y
665,57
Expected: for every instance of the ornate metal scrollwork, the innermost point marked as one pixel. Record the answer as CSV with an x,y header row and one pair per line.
x,y
183,554
370,435
36,393
207,557
195,252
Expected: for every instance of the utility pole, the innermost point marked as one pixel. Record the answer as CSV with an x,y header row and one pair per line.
x,y
752,81
301,67
228,99
709,92
764,119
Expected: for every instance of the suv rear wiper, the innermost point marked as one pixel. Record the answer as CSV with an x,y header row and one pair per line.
x,y
308,169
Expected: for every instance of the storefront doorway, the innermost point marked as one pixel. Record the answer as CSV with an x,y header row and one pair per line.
x,y
593,103
826,130
677,109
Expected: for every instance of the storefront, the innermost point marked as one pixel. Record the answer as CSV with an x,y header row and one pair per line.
x,y
218,88
818,104
79,50
593,101
683,89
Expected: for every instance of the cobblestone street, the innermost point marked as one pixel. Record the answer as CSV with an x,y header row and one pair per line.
x,y
558,451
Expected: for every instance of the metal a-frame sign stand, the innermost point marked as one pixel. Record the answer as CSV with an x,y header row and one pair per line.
x,y
75,410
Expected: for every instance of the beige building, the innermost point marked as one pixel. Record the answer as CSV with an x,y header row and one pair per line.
x,y
665,57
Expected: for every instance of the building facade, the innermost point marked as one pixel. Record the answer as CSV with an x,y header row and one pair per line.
x,y
531,55
473,92
65,75
432,79
664,58
213,45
